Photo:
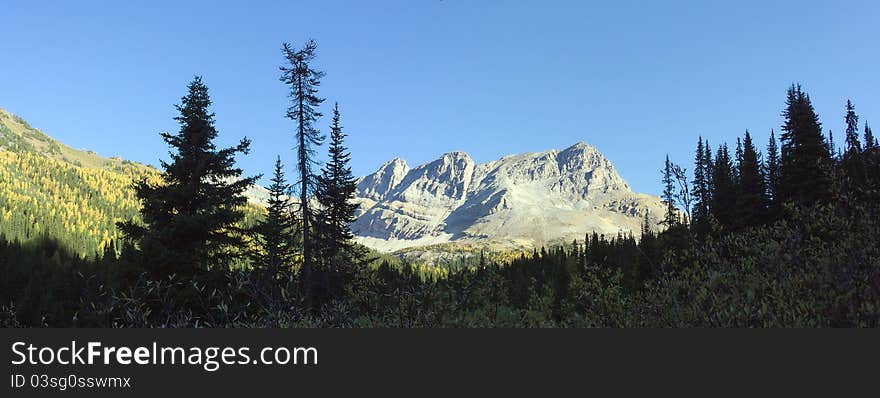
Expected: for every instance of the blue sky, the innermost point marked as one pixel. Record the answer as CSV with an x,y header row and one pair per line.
x,y
416,78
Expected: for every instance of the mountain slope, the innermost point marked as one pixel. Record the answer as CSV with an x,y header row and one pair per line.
x,y
74,196
16,135
525,199
50,189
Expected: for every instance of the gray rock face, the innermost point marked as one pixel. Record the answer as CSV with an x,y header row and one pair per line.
x,y
530,199
377,185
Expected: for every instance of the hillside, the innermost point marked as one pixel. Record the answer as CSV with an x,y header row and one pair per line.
x,y
17,136
48,188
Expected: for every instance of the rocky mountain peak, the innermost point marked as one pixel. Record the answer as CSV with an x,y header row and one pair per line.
x,y
534,197
580,146
376,186
396,163
456,155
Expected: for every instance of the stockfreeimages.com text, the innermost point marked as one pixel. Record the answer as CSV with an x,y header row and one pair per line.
x,y
209,358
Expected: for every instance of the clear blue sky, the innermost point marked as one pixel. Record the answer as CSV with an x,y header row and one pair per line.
x,y
416,78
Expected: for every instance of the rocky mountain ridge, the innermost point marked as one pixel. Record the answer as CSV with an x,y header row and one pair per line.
x,y
523,199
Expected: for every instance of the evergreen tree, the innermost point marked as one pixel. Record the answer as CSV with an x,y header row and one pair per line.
x,y
709,171
871,159
304,81
724,190
751,201
805,165
646,224
277,232
853,159
336,188
701,191
852,129
191,218
671,217
739,153
831,143
772,167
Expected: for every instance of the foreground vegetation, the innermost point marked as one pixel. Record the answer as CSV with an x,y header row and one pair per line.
x,y
812,270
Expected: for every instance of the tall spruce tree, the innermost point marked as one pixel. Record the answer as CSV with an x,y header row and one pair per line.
x,y
709,171
192,218
805,164
724,189
739,153
853,145
336,188
277,232
701,191
772,167
671,217
751,199
303,81
853,162
832,150
871,159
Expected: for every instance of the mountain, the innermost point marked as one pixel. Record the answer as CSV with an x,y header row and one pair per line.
x,y
16,135
74,196
519,200
524,200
